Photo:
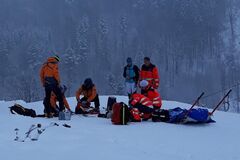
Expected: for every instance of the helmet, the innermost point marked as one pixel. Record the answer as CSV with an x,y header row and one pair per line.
x,y
88,84
143,83
57,57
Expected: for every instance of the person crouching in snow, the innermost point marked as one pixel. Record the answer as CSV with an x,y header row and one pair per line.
x,y
53,102
131,75
89,92
141,107
151,93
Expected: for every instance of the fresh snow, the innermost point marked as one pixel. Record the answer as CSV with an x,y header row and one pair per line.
x,y
92,138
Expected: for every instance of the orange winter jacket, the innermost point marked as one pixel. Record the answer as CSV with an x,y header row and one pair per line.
x,y
150,73
53,101
141,99
49,72
155,97
90,94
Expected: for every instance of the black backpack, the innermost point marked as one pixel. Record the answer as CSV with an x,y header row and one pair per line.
x,y
111,101
18,109
160,115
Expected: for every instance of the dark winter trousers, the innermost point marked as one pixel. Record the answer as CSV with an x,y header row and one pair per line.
x,y
56,90
95,100
144,109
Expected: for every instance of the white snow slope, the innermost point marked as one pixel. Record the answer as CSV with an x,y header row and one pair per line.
x,y
92,138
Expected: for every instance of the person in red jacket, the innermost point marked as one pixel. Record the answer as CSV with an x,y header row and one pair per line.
x,y
140,107
151,93
149,72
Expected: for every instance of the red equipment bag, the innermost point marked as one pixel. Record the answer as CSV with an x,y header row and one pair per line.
x,y
120,114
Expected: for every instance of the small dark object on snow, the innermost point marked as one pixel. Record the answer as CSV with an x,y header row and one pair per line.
x,y
18,109
66,125
111,101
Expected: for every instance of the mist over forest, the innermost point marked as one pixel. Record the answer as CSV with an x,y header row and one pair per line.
x,y
194,43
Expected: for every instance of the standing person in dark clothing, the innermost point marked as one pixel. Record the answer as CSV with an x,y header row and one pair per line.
x,y
131,75
50,79
149,72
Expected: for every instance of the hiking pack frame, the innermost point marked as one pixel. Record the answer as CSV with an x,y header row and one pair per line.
x,y
194,104
220,102
214,109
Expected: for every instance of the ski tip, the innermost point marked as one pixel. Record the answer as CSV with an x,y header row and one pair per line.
x,y
66,125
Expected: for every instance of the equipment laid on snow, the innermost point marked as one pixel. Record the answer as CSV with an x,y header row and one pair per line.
x,y
111,101
222,100
120,115
18,109
194,104
29,134
64,115
179,115
66,125
160,115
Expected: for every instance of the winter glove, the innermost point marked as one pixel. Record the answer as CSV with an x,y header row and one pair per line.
x,y
85,104
130,107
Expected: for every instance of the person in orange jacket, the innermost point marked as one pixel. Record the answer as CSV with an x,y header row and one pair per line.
x,y
50,79
151,93
53,101
140,107
89,92
149,72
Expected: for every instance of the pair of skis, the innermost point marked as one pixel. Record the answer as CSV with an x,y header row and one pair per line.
x,y
36,128
214,109
27,134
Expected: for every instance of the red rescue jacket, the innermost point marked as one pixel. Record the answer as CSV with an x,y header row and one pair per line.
x,y
141,99
154,96
150,73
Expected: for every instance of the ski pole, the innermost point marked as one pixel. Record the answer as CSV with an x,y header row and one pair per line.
x,y
194,104
217,106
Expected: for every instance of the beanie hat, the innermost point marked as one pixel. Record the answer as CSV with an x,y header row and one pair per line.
x,y
147,58
129,60
88,84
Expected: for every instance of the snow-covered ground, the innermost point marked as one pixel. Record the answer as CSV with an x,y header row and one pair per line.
x,y
92,138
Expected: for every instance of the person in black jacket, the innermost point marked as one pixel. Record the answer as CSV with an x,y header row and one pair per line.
x,y
131,75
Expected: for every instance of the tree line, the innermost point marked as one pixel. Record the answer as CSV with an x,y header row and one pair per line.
x,y
194,43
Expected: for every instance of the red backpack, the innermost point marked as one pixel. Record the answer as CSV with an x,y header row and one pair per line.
x,y
120,114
